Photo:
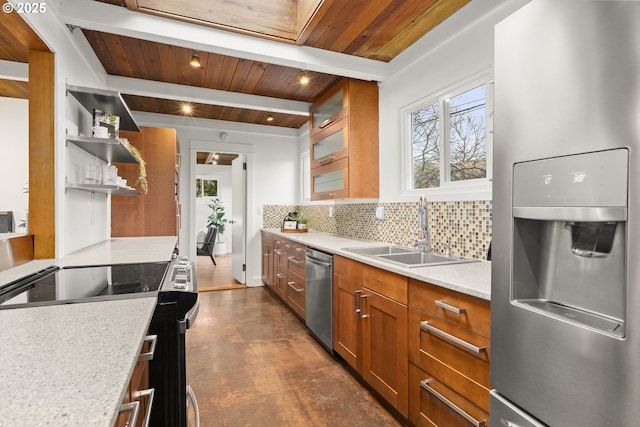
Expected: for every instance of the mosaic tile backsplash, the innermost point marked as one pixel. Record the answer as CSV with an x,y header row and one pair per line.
x,y
464,226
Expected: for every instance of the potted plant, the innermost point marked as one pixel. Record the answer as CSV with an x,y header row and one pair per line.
x,y
217,219
302,220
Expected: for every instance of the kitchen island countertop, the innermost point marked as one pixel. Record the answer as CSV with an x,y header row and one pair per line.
x,y
470,278
70,364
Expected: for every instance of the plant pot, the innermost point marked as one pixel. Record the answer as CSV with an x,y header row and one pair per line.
x,y
302,226
220,249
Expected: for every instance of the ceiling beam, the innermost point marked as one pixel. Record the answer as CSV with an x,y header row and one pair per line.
x,y
11,70
119,20
186,93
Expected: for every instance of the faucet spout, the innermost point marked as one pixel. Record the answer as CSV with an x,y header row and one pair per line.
x,y
423,223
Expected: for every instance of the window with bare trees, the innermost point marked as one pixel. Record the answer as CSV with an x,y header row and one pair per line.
x,y
448,138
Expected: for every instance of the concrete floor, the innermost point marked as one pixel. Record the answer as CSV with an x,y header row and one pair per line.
x,y
251,363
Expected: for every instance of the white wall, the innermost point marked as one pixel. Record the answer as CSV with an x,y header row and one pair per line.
x,y
71,67
444,62
14,161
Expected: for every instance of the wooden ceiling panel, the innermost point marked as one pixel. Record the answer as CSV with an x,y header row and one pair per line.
x,y
14,89
214,112
17,38
142,59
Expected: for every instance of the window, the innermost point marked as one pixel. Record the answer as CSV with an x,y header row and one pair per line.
x,y
206,188
448,139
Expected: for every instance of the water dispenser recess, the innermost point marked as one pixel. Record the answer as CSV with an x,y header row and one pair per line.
x,y
569,238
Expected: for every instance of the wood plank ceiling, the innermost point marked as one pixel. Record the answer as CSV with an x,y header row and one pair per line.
x,y
377,30
16,39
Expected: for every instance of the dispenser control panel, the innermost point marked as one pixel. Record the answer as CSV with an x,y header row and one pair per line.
x,y
589,179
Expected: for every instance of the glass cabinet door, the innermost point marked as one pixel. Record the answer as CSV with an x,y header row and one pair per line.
x,y
330,145
323,113
330,182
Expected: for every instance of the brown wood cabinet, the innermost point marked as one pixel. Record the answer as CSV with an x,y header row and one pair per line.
x,y
138,389
344,142
348,279
287,278
157,212
370,327
449,355
267,259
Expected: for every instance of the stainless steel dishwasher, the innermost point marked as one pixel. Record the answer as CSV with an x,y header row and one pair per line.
x,y
319,298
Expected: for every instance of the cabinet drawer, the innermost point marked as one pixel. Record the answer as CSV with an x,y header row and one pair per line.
x,y
296,249
453,355
296,294
384,282
349,269
296,265
331,144
433,404
462,310
330,181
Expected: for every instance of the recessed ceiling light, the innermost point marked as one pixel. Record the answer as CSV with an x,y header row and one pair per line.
x,y
269,117
304,79
187,109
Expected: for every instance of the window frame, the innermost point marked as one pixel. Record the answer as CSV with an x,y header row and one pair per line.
x,y
471,189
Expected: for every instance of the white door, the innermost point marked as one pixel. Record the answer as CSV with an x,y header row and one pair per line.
x,y
238,217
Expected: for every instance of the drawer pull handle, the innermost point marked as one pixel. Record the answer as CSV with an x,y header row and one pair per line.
x,y
280,276
278,252
362,315
425,385
153,339
295,261
426,326
326,160
148,394
292,286
356,299
134,408
450,308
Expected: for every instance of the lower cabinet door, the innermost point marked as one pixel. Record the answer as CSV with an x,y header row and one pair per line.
x,y
433,404
384,358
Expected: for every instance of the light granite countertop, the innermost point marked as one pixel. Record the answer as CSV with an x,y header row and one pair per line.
x,y
69,365
470,278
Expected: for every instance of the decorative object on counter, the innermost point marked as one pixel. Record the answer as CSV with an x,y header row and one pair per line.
x,y
217,220
294,223
142,169
302,221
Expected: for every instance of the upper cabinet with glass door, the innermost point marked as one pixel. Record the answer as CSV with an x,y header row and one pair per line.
x,y
344,140
330,108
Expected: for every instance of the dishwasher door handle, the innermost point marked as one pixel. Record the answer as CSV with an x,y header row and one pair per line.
x,y
318,262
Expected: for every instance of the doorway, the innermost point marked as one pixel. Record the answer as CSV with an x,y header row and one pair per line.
x,y
216,189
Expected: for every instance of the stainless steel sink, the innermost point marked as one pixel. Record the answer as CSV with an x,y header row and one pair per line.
x,y
423,259
408,257
380,250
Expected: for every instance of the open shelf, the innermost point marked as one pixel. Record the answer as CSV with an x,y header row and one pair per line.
x,y
105,189
109,150
106,100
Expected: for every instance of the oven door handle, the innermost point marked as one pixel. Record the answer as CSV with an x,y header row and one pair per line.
x,y
192,397
192,314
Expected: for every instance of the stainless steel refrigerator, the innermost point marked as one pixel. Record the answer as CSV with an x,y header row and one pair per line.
x,y
565,330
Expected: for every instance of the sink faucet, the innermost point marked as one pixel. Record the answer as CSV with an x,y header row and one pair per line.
x,y
423,223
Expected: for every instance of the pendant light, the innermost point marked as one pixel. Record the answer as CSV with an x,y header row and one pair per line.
x,y
195,60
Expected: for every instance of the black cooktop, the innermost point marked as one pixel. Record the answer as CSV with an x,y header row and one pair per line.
x,y
83,284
